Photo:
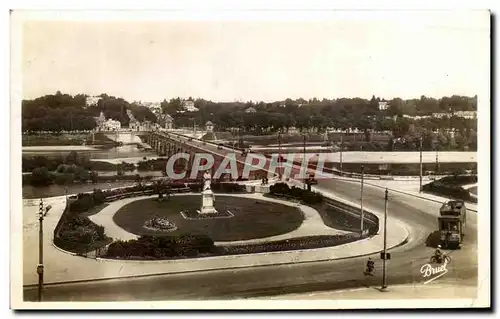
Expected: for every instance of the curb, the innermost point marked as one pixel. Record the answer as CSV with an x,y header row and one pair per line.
x,y
205,270
62,250
404,241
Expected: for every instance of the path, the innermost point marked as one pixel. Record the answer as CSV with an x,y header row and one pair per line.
x,y
311,226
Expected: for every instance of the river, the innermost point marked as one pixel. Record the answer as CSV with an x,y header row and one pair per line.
x,y
123,151
118,154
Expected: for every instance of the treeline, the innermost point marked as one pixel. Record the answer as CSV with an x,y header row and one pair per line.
x,y
63,112
341,113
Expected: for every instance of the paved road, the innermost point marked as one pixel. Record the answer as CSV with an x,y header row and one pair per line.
x,y
404,267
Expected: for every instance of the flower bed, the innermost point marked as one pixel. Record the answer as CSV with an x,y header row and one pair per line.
x,y
161,247
79,234
310,242
186,246
160,223
189,214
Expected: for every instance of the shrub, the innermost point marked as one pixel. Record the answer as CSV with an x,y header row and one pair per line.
x,y
308,197
279,189
292,244
86,201
78,234
440,188
157,247
41,177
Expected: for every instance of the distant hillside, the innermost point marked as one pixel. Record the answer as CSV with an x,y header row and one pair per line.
x,y
64,112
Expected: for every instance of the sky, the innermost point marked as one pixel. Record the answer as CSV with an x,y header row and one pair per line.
x,y
346,54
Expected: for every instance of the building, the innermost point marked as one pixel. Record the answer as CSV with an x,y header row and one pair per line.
x,y
209,127
416,117
169,122
440,115
250,110
134,125
466,114
100,121
112,125
146,126
92,100
383,105
189,106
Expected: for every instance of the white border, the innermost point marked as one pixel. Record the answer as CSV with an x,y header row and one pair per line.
x,y
483,137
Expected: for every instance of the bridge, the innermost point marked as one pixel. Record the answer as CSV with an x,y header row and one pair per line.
x,y
171,143
132,137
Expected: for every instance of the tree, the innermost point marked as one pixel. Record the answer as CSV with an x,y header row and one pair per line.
x,y
41,177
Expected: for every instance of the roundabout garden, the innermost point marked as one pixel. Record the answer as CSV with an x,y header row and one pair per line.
x,y
166,231
251,218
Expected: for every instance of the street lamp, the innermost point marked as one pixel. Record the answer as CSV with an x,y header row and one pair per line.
x,y
39,269
385,256
362,211
304,158
341,149
280,169
420,188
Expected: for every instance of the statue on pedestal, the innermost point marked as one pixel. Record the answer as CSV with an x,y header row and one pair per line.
x,y
207,196
207,180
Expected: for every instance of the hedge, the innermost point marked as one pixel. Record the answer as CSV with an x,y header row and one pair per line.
x,y
77,233
311,242
160,247
443,188
308,197
459,179
185,246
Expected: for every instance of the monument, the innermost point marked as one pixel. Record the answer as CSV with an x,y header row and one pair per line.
x,y
207,196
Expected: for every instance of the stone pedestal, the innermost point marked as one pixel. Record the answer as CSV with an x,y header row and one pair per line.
x,y
207,202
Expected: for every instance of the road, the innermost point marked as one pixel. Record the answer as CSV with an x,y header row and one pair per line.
x,y
404,266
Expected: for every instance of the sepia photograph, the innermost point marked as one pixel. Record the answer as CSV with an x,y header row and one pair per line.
x,y
270,160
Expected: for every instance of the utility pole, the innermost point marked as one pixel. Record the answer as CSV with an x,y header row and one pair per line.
x,y
39,268
420,189
437,161
362,211
304,159
384,277
280,171
341,149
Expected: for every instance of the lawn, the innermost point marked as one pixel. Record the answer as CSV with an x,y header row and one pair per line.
x,y
252,218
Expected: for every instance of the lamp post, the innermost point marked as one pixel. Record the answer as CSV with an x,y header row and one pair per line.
x,y
384,275
39,268
362,211
341,149
280,169
420,188
437,161
304,157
